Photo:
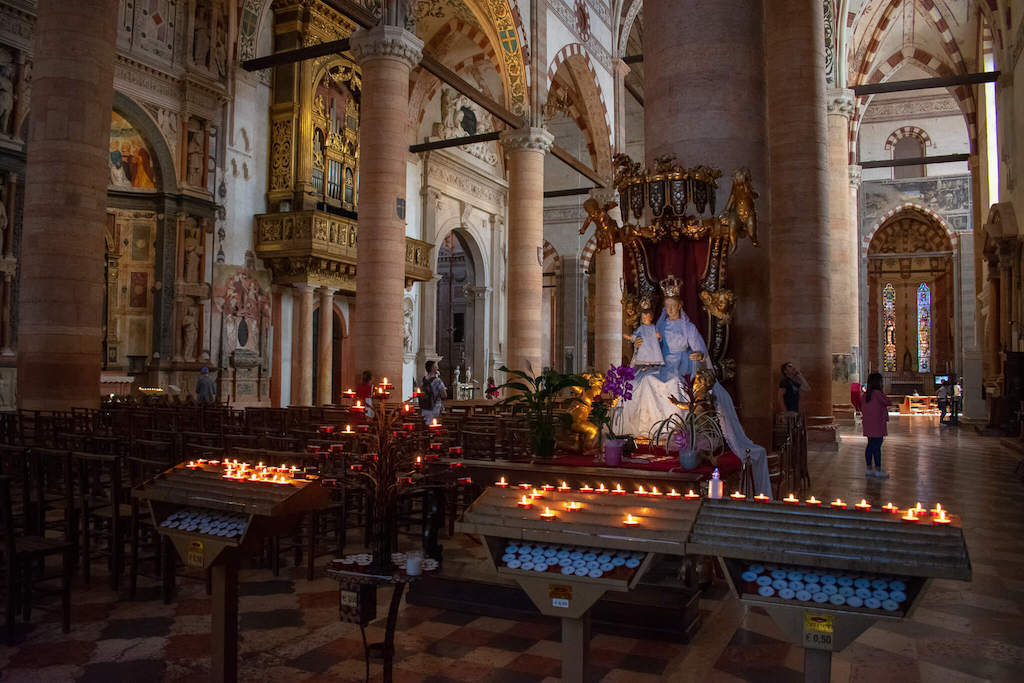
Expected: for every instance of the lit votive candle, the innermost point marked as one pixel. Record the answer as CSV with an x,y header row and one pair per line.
x,y
640,491
761,498
791,500
839,504
654,492
618,490
572,506
910,516
738,495
348,430
920,510
586,489
525,503
547,515
192,465
630,520
673,494
349,393
690,495
937,510
601,489
564,488
536,494
547,487
434,424
889,507
419,461
863,505
359,407
501,483
813,502
523,485
941,519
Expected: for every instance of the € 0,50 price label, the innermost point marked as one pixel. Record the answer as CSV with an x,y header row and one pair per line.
x,y
819,631
560,595
196,556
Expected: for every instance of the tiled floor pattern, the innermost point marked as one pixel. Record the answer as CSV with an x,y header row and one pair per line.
x,y
290,630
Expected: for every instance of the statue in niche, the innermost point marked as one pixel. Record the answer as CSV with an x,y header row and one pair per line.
x,y
451,113
407,315
189,333
193,253
194,173
201,34
220,48
6,91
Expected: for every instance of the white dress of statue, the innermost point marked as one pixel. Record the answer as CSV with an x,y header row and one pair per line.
x,y
193,259
650,404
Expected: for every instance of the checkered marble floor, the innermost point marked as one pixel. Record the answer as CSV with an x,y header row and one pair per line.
x,y
290,629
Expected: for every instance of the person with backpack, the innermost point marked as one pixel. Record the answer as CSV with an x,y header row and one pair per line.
x,y
943,400
875,411
432,393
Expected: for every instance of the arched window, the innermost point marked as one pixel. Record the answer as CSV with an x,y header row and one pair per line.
x,y
889,328
910,147
924,328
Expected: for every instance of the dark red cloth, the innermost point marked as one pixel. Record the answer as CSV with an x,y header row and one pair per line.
x,y
364,391
727,464
855,394
687,260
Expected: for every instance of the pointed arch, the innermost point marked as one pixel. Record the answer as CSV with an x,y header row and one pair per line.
x,y
572,72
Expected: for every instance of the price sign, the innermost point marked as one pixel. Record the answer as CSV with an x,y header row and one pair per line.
x,y
560,595
196,556
819,631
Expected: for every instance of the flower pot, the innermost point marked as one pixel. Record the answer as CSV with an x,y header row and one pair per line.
x,y
688,459
544,447
613,452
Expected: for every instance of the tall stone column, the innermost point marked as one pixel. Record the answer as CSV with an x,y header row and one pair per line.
x,y
842,235
800,300
525,148
325,347
386,55
304,338
276,374
860,276
704,102
608,297
61,287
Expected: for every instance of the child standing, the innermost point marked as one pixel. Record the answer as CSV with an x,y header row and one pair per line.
x,y
646,341
875,412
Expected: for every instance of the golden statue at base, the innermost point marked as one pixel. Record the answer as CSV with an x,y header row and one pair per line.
x,y
585,430
719,304
607,230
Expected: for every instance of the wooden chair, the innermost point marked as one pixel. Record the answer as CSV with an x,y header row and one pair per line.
x,y
21,553
145,543
105,512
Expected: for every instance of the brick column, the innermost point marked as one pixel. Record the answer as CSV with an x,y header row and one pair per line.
x,y
304,338
275,361
325,347
800,294
859,281
61,288
608,297
386,55
704,102
525,148
842,234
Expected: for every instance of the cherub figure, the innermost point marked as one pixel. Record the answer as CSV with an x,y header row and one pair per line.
x,y
607,230
740,217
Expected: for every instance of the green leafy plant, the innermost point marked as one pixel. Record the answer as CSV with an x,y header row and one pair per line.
x,y
536,396
696,429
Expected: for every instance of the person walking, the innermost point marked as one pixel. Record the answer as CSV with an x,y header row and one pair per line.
x,y
206,390
433,393
943,400
790,388
875,411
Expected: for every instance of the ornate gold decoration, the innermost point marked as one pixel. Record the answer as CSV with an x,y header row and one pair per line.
x,y
740,218
670,287
585,430
631,306
281,155
719,304
607,231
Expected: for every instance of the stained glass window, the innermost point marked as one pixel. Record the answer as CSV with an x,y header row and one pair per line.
x,y
924,328
889,328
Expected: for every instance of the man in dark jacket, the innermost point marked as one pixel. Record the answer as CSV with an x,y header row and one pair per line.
x,y
206,390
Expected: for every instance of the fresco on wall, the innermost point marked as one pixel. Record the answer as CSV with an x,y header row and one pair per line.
x,y
948,196
131,161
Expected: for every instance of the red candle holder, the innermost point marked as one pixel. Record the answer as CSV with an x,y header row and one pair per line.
x,y
464,480
941,519
738,495
523,485
863,505
673,494
618,491
838,504
548,515
690,495
889,507
910,517
573,506
547,488
349,394
640,491
525,503
586,489
436,446
564,488
761,498
455,450
791,500
502,483
631,520
813,502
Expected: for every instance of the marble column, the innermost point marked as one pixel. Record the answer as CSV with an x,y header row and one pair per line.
x,y
304,338
842,239
608,296
797,142
860,275
525,148
325,347
704,102
276,374
386,55
61,286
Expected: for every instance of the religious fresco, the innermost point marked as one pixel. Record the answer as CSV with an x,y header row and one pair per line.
x,y
131,161
949,197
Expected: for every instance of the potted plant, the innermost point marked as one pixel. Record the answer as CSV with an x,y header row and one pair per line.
x,y
536,395
696,432
618,384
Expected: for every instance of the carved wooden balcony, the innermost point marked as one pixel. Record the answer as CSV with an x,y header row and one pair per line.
x,y
319,248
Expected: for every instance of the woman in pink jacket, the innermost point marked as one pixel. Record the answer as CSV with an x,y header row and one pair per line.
x,y
874,416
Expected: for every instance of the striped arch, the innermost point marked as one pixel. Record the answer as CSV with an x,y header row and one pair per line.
x,y
908,132
865,241
587,255
963,95
591,111
552,260
427,87
630,10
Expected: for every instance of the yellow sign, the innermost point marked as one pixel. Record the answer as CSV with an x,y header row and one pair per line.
x,y
561,595
819,631
196,555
